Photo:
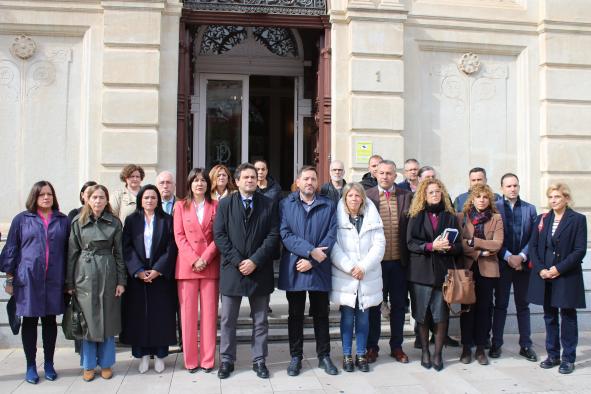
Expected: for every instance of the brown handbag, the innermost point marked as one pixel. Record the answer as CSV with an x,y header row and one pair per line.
x,y
458,288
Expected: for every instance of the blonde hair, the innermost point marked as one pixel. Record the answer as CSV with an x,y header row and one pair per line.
x,y
213,176
87,210
419,201
359,189
563,189
476,191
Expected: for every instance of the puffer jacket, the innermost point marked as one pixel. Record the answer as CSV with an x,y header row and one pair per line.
x,y
364,249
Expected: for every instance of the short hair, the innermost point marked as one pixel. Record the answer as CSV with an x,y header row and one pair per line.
x,y
358,187
307,168
375,157
474,192
85,186
31,203
423,169
411,161
563,189
190,178
130,169
213,176
477,169
140,195
509,175
389,163
87,210
336,161
262,161
242,167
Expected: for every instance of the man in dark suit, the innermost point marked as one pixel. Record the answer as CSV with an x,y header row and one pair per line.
x,y
518,219
393,204
246,232
411,175
167,188
476,176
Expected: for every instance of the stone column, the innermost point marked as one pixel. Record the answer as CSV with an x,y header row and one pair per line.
x,y
367,80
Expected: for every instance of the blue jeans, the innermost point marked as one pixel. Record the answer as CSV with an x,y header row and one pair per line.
x,y
358,319
101,353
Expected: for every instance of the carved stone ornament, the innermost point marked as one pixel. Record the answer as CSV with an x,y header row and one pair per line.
x,y
23,47
469,63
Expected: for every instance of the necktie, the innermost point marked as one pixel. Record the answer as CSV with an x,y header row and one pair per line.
x,y
387,194
247,207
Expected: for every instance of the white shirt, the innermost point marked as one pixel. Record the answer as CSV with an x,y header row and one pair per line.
x,y
148,233
200,210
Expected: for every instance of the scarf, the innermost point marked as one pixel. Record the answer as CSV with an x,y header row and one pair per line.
x,y
478,219
435,208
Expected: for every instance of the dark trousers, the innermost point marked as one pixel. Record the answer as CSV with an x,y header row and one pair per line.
x,y
476,323
568,332
29,337
394,276
141,351
295,323
520,281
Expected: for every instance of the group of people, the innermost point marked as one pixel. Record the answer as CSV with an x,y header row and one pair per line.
x,y
141,260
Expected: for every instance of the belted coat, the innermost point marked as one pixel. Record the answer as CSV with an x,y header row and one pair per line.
x,y
38,288
95,269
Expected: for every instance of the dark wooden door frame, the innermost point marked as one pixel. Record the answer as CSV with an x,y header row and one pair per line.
x,y
190,20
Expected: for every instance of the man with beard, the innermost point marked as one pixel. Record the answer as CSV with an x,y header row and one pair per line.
x,y
333,189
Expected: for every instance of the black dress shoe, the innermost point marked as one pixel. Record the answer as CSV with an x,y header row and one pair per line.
x,y
226,368
528,354
261,369
437,362
295,366
361,363
449,341
207,370
480,356
566,367
426,360
495,351
193,370
326,364
348,365
550,363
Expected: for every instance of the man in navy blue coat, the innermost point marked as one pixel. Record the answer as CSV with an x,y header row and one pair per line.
x,y
518,219
308,231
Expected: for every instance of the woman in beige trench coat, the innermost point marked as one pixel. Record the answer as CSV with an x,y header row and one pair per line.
x,y
96,276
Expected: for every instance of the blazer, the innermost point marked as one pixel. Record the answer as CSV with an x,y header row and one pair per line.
x,y
430,267
493,232
569,244
239,238
528,218
195,240
403,200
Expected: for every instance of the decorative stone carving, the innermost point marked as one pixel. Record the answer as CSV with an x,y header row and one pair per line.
x,y
289,7
469,63
23,47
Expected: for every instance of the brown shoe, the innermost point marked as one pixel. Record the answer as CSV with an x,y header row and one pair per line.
x,y
371,355
480,356
88,375
399,355
466,357
106,373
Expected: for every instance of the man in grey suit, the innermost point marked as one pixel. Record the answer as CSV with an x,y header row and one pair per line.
x,y
246,232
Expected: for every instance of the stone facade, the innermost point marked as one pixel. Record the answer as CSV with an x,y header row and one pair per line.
x,y
90,85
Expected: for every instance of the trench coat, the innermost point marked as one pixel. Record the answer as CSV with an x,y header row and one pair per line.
x,y
95,269
149,309
569,246
239,238
123,203
38,290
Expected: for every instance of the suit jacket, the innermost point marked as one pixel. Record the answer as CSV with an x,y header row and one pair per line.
x,y
569,246
195,240
239,238
430,268
403,200
493,233
528,217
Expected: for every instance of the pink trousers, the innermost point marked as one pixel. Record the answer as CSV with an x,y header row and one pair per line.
x,y
199,339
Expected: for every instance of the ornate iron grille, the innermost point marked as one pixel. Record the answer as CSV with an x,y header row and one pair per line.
x,y
289,7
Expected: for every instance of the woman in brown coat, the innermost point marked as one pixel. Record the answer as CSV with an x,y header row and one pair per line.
x,y
482,237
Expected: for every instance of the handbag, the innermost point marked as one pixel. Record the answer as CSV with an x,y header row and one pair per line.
x,y
74,324
458,288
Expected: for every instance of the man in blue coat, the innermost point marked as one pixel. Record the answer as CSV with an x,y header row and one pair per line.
x,y
308,231
518,219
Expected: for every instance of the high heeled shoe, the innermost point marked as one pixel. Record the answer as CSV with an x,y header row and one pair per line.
x,y
426,360
438,362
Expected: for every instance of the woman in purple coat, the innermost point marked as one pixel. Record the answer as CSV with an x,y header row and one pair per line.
x,y
34,259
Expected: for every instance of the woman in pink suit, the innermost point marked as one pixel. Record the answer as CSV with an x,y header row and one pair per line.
x,y
197,271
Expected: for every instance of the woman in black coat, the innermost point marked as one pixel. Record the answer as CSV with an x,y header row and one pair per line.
x,y
74,212
557,248
431,255
149,306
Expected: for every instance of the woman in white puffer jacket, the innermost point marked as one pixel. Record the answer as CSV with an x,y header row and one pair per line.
x,y
357,273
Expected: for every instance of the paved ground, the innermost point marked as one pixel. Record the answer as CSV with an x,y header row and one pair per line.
x,y
510,373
